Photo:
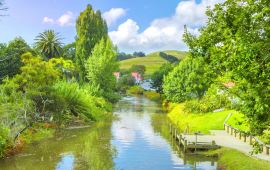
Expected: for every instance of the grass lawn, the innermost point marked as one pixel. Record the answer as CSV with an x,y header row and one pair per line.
x,y
202,122
231,159
152,61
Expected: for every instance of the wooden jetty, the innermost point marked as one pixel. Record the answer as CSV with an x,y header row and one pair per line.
x,y
192,142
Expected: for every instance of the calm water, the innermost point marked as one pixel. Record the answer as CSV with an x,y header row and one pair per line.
x,y
138,140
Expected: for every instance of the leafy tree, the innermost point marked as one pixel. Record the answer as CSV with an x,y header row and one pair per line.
x,y
138,68
100,67
91,28
49,44
236,39
69,52
10,57
158,76
188,80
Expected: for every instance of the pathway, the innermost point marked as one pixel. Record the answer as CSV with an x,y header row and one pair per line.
x,y
222,138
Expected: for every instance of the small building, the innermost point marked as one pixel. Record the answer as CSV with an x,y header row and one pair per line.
x,y
117,75
137,76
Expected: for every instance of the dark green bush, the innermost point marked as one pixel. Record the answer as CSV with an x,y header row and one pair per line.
x,y
215,98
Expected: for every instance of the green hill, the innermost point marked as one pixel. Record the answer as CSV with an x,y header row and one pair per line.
x,y
152,61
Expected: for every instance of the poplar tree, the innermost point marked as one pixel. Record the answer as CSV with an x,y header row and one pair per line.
x,y
91,28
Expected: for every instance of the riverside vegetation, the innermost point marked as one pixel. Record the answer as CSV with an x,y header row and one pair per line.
x,y
51,85
226,71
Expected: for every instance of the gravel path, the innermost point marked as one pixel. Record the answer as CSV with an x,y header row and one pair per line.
x,y
222,138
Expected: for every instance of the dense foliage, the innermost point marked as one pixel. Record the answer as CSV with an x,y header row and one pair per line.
x,y
158,77
39,87
188,80
170,58
100,68
10,61
49,44
91,28
235,40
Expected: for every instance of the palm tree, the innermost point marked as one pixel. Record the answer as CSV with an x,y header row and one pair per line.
x,y
49,44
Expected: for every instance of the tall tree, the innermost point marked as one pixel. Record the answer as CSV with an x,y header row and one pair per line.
x,y
236,39
91,28
10,57
49,44
100,67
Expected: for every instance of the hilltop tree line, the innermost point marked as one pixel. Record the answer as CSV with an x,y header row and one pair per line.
x,y
124,56
56,84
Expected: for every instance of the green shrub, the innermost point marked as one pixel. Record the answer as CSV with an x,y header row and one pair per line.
x,y
125,82
3,139
70,98
158,76
266,136
152,95
189,80
215,98
137,90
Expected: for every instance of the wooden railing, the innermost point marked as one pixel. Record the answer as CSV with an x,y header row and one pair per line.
x,y
246,137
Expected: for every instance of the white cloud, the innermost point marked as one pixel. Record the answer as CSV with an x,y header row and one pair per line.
x,y
113,15
163,33
67,19
48,20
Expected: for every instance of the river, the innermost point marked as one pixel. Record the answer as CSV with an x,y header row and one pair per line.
x,y
137,140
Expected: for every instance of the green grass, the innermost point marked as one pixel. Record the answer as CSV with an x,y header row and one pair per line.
x,y
202,122
152,61
231,159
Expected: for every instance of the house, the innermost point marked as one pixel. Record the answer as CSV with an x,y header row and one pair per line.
x,y
137,76
117,75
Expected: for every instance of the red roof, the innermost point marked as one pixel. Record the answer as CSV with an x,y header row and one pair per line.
x,y
229,84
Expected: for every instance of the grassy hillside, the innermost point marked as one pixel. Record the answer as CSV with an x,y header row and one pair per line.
x,y
152,61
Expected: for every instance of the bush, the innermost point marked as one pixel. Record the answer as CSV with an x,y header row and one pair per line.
x,y
125,82
189,80
70,98
3,139
137,90
152,95
158,76
139,69
266,136
215,98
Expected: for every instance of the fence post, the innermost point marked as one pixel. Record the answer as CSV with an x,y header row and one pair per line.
x,y
240,135
185,146
267,150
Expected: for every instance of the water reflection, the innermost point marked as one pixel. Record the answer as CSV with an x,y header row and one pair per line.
x,y
66,162
139,140
83,149
186,161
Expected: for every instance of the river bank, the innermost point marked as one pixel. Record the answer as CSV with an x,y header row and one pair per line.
x,y
210,123
138,139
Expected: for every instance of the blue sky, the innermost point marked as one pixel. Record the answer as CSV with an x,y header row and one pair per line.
x,y
134,25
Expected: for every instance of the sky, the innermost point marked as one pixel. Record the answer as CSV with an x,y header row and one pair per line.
x,y
134,25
